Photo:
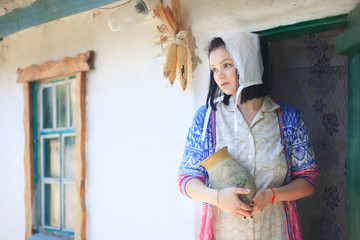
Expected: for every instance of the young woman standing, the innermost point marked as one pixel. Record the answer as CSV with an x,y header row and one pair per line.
x,y
269,139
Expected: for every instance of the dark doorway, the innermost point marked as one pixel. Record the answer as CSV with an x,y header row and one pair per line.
x,y
305,71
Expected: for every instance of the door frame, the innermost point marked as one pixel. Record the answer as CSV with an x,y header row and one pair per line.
x,y
348,44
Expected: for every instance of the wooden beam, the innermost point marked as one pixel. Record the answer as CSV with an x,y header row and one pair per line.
x,y
80,225
45,11
28,159
82,62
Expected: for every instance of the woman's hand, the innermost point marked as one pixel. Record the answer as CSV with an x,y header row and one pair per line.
x,y
230,203
261,199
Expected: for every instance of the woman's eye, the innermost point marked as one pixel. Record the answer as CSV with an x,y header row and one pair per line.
x,y
226,65
214,70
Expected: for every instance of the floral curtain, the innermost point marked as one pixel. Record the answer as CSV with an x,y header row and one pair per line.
x,y
306,72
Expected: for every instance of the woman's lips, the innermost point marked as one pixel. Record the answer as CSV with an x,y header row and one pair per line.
x,y
225,84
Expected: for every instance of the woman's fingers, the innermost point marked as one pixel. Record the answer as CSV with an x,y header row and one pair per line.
x,y
241,190
230,203
255,199
242,213
243,206
261,199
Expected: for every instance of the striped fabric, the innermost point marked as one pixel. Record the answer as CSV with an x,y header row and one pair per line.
x,y
310,175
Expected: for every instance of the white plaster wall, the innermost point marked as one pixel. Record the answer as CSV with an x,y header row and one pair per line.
x,y
136,128
136,122
12,215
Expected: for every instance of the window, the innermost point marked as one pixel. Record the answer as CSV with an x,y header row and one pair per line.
x,y
56,122
54,159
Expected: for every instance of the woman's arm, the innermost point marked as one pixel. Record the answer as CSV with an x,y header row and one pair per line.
x,y
226,199
298,188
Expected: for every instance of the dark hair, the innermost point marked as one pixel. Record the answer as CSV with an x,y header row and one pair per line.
x,y
247,93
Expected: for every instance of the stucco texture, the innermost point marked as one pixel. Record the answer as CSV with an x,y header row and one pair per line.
x,y
136,122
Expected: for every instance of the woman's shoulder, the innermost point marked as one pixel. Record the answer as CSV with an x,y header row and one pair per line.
x,y
201,112
288,108
291,115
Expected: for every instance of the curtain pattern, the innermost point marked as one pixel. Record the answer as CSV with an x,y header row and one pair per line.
x,y
306,72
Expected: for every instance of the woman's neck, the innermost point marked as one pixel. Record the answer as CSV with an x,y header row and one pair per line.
x,y
250,108
252,105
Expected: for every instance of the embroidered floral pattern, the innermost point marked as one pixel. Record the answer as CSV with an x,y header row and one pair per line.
x,y
332,198
328,226
322,76
319,106
326,150
330,122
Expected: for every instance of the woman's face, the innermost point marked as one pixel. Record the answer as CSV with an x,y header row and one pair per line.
x,y
225,74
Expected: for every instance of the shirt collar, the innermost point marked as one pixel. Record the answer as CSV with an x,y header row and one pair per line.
x,y
269,105
230,106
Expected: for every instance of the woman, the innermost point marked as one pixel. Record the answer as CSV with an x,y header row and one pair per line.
x,y
267,138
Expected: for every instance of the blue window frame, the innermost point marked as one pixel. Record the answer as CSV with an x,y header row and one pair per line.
x,y
54,106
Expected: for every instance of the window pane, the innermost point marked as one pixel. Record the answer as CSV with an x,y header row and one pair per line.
x,y
47,107
52,204
72,104
69,157
52,157
61,105
69,208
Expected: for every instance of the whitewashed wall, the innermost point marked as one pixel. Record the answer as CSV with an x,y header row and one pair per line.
x,y
136,122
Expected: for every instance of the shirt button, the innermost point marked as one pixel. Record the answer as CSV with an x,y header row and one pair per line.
x,y
250,156
249,136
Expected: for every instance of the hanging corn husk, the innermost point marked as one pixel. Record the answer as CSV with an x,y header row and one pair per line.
x,y
172,34
182,64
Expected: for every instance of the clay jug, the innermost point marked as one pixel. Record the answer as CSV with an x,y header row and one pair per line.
x,y
226,172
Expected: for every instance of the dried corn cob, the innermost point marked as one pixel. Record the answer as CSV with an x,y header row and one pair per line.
x,y
182,55
172,74
172,34
170,61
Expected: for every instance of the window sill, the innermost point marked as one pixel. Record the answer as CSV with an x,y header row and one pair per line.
x,y
41,236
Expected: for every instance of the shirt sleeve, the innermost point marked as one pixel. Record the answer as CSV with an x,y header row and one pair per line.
x,y
194,153
303,163
183,180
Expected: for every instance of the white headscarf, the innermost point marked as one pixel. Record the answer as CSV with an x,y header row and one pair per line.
x,y
244,49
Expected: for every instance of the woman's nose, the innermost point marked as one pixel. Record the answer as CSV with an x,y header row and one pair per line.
x,y
221,73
